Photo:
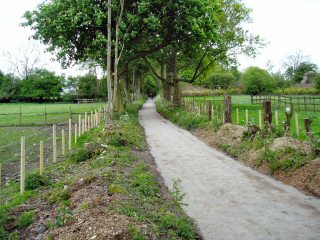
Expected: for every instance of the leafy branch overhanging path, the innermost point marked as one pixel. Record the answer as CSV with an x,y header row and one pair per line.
x,y
225,198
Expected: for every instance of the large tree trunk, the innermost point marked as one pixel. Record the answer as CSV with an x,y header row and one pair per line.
x,y
117,102
175,80
109,77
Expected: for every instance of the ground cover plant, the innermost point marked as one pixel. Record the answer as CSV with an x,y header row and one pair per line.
x,y
115,190
285,158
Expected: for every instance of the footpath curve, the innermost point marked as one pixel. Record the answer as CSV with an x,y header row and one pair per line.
x,y
226,199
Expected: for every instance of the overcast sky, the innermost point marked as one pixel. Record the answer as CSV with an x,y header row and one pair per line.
x,y
287,25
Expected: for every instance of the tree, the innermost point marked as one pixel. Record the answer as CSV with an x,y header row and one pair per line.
x,y
219,80
8,87
302,69
42,85
292,62
258,81
88,86
25,61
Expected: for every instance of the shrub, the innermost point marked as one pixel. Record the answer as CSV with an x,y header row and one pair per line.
x,y
35,180
316,80
26,219
59,195
219,80
258,81
81,155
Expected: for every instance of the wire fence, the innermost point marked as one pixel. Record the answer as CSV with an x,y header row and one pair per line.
x,y
57,141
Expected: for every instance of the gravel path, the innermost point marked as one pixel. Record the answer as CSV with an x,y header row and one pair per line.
x,y
227,199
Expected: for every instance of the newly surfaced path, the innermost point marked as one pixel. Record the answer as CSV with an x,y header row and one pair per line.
x,y
225,198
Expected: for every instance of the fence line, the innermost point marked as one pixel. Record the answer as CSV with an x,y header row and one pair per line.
x,y
51,149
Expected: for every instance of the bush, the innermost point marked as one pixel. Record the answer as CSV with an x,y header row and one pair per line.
x,y
26,219
258,81
219,80
35,180
297,91
81,155
316,80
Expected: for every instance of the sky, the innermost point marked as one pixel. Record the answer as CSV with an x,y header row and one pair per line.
x,y
286,25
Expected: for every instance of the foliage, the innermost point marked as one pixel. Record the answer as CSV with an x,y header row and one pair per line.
x,y
42,84
258,81
283,159
81,155
317,82
296,90
144,181
26,219
88,86
150,86
300,71
65,216
58,195
35,181
219,80
8,87
188,120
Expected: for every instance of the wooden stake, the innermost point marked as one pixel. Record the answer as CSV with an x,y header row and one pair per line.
x,y
247,117
228,110
63,143
85,122
277,118
260,119
54,143
238,117
23,165
92,123
83,126
70,134
79,125
75,133
297,125
41,157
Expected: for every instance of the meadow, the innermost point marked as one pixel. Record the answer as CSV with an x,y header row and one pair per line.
x,y
30,114
243,103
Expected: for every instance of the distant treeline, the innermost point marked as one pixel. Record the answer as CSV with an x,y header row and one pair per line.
x,y
42,85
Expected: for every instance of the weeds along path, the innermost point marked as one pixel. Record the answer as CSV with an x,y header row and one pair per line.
x,y
225,198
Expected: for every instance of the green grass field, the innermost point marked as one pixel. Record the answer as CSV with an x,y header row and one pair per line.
x,y
34,114
243,102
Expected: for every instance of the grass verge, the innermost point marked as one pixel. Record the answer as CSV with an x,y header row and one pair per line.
x,y
108,189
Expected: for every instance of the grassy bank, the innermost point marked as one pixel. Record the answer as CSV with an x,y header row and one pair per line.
x,y
286,159
110,189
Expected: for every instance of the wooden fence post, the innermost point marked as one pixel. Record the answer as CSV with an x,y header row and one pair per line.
x,y
41,157
92,122
238,117
277,118
260,119
307,125
85,122
247,116
79,125
54,144
212,109
83,126
210,112
75,133
63,143
70,113
23,165
70,134
297,125
228,110
267,114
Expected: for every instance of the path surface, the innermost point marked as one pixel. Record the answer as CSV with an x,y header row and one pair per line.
x,y
227,199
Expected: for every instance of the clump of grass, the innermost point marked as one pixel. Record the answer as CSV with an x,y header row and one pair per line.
x,y
188,120
35,181
81,155
284,159
64,217
136,233
26,219
144,181
59,195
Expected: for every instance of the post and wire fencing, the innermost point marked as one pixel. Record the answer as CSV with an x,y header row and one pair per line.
x,y
46,145
223,111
